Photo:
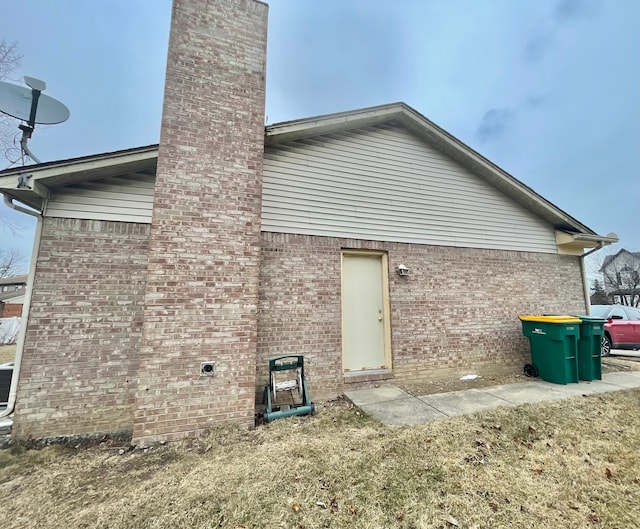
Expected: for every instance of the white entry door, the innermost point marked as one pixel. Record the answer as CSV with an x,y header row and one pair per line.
x,y
365,318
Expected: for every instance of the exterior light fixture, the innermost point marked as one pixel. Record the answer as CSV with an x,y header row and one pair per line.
x,y
403,270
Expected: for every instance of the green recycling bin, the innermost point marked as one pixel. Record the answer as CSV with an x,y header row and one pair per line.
x,y
554,347
590,348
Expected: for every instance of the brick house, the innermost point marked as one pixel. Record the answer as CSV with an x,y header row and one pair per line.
x,y
232,242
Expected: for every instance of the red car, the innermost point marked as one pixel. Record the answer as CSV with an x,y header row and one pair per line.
x,y
622,330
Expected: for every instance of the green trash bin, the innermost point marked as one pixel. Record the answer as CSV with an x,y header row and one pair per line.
x,y
590,348
554,346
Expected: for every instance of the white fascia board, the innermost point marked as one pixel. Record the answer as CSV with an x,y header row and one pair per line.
x,y
26,197
65,172
23,182
34,189
610,238
575,243
319,125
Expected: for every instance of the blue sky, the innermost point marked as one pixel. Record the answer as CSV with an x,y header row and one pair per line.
x,y
547,89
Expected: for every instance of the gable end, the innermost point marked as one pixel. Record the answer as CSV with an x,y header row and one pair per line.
x,y
384,183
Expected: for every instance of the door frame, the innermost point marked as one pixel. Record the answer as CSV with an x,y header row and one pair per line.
x,y
386,308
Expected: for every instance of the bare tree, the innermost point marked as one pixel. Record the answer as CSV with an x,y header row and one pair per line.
x,y
11,263
10,61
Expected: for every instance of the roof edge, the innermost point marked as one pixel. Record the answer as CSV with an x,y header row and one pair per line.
x,y
80,159
40,178
328,123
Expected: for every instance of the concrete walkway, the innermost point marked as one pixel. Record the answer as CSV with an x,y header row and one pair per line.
x,y
395,407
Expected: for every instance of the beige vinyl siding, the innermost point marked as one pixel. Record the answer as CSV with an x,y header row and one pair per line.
x,y
383,183
124,199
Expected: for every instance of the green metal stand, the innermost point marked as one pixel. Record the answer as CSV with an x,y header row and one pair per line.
x,y
287,363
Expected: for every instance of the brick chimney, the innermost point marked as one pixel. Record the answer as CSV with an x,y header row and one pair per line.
x,y
204,250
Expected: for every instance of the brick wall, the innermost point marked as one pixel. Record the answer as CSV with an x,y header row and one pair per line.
x,y
299,311
455,314
202,289
80,363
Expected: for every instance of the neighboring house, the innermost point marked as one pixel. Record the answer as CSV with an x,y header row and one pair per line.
x,y
621,277
12,290
11,303
231,243
13,283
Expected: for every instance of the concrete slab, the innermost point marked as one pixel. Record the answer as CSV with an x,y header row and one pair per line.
x,y
395,407
523,393
402,411
463,402
623,379
583,388
360,397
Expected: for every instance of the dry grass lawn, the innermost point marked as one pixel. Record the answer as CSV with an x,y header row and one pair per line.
x,y
7,353
571,464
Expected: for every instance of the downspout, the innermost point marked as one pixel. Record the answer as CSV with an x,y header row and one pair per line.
x,y
13,389
585,283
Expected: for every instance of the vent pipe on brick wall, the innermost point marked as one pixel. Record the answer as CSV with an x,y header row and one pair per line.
x,y
13,390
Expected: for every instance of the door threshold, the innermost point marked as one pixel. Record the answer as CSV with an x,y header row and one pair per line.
x,y
367,375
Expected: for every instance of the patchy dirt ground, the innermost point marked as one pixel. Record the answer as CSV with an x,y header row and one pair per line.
x,y
455,384
7,353
537,466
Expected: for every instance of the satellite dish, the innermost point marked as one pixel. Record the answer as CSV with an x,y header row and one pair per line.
x,y
15,101
31,106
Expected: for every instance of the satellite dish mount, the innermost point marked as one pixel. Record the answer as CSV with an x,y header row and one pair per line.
x,y
31,106
37,87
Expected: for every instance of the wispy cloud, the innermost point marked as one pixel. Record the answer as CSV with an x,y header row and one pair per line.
x,y
534,101
543,38
567,10
494,123
537,45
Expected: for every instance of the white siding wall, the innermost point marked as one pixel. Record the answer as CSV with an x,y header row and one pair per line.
x,y
124,199
383,183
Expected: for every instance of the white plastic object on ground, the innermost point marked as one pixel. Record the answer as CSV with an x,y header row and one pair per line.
x,y
9,328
